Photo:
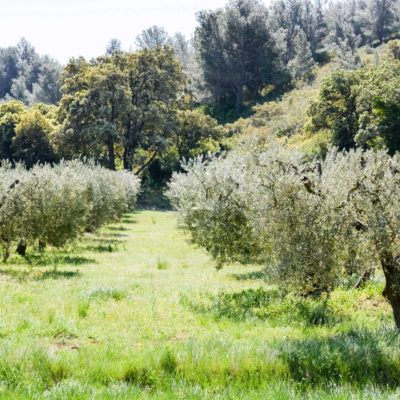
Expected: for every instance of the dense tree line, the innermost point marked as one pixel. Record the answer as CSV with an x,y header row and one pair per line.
x,y
27,76
154,106
241,52
247,47
125,110
236,51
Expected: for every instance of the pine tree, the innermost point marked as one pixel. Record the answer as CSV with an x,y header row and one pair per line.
x,y
347,48
302,65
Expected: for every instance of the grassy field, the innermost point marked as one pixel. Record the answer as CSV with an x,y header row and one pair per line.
x,y
135,311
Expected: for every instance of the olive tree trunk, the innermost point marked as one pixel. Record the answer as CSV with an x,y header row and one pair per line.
x,y
391,269
21,248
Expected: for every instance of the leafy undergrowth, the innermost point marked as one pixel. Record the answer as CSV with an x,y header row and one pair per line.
x,y
360,357
151,318
281,309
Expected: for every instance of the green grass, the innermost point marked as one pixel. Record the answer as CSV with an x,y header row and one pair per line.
x,y
135,312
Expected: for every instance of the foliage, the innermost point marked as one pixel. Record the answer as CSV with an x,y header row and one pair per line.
x,y
295,20
209,200
93,109
53,205
360,108
337,102
157,84
26,134
10,116
31,143
302,65
126,101
394,47
195,133
236,51
306,220
27,76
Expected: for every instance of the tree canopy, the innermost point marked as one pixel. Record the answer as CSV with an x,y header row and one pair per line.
x,y
361,107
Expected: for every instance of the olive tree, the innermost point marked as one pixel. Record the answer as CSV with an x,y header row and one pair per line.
x,y
212,206
54,205
305,220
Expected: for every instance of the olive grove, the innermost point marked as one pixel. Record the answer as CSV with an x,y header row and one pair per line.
x,y
53,205
312,223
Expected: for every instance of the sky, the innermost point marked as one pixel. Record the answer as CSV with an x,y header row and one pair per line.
x,y
71,28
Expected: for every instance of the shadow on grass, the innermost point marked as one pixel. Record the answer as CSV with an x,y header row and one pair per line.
x,y
357,357
114,235
262,304
117,228
55,274
58,259
104,242
100,248
250,276
38,275
247,303
98,245
128,220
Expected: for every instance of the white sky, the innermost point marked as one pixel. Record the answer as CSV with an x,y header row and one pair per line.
x,y
66,28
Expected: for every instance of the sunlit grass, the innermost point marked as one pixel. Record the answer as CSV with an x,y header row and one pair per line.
x,y
135,311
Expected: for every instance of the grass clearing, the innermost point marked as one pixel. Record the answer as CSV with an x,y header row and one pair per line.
x,y
134,311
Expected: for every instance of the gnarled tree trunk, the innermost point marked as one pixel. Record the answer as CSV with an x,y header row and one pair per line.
x,y
391,269
21,248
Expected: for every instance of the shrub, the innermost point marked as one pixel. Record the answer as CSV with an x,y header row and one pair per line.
x,y
212,207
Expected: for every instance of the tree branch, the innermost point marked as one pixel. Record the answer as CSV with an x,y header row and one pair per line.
x,y
146,164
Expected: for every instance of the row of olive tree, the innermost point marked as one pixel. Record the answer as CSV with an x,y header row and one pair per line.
x,y
53,205
313,223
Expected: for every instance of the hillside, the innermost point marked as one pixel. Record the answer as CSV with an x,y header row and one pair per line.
x,y
285,120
